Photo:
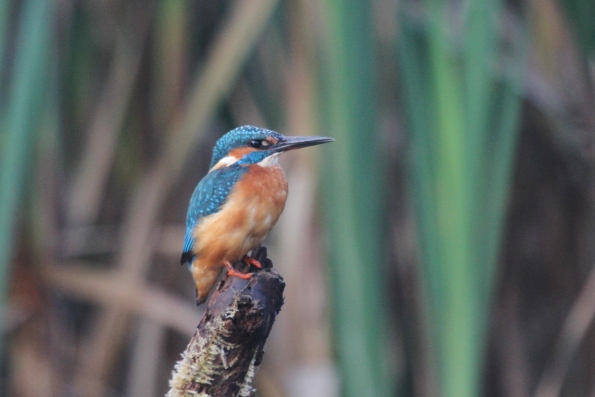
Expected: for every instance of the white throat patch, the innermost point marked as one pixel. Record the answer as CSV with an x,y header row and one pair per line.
x,y
270,161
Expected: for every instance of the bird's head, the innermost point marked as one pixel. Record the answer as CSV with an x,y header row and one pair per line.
x,y
252,145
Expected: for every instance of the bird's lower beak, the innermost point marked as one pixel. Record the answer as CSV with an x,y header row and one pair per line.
x,y
297,142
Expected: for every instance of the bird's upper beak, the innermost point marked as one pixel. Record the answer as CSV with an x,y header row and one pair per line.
x,y
297,142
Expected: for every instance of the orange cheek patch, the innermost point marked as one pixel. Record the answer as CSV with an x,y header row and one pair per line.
x,y
238,153
271,140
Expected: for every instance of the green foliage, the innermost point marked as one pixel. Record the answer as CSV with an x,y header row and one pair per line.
x,y
4,11
463,123
581,14
19,119
139,85
354,199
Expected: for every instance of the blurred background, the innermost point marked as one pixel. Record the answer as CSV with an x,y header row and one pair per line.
x,y
442,246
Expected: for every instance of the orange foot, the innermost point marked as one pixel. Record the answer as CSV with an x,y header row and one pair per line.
x,y
234,273
251,261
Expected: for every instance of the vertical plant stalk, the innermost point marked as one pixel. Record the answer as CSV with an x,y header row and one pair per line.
x,y
354,199
456,329
463,122
19,120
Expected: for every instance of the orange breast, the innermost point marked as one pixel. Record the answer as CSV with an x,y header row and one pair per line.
x,y
249,214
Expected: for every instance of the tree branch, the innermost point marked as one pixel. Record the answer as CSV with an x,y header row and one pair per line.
x,y
226,348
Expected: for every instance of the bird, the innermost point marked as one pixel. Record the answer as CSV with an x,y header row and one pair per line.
x,y
237,203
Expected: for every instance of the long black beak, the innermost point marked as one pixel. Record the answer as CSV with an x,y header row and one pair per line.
x,y
297,142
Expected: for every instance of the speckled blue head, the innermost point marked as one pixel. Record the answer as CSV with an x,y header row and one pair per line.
x,y
241,137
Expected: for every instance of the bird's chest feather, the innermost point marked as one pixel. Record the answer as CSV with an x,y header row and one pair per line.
x,y
250,212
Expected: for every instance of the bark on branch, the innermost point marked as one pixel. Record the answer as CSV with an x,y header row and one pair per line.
x,y
226,348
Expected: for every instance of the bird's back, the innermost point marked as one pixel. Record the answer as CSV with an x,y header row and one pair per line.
x,y
208,198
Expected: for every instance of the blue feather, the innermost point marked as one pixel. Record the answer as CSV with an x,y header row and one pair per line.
x,y
208,198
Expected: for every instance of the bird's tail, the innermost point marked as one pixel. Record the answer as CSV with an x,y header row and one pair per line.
x,y
186,258
205,278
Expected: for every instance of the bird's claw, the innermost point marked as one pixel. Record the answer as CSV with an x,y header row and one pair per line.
x,y
234,273
251,261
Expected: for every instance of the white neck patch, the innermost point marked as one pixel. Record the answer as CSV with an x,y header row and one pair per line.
x,y
225,162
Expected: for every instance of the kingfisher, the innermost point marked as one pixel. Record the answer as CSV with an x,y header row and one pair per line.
x,y
237,203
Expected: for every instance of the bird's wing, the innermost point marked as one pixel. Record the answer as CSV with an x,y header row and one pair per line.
x,y
208,197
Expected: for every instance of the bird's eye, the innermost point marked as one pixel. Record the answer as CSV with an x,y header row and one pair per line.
x,y
256,143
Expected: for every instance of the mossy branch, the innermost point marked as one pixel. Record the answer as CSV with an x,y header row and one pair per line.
x,y
226,348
